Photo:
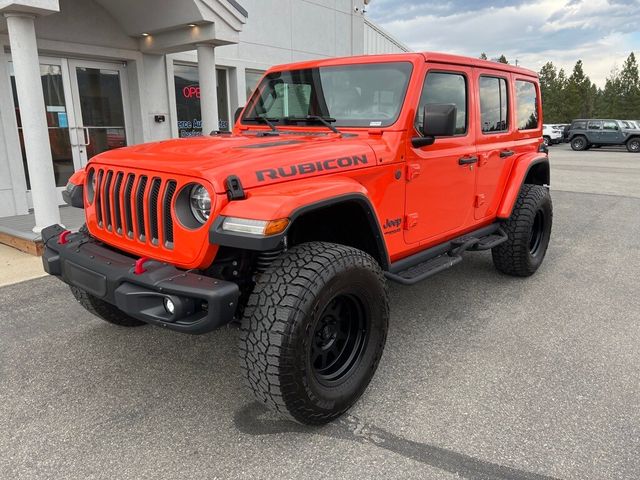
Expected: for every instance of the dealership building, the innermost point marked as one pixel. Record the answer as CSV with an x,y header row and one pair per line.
x,y
78,77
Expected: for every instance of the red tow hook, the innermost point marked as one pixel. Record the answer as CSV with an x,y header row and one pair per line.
x,y
62,239
138,268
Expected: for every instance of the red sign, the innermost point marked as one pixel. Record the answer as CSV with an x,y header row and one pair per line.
x,y
191,91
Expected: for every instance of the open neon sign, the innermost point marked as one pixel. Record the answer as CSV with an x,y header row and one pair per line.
x,y
191,91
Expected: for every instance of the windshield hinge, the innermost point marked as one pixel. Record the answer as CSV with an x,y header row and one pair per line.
x,y
234,188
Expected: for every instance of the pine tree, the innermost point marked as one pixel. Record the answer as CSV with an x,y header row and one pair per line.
x,y
580,93
503,59
629,89
483,56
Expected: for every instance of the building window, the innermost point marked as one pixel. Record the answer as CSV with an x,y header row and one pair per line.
x,y
494,104
526,105
447,88
252,77
188,107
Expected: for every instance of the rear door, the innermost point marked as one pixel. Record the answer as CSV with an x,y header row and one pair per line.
x,y
494,139
594,131
441,176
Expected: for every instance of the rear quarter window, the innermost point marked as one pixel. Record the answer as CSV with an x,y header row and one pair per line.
x,y
526,105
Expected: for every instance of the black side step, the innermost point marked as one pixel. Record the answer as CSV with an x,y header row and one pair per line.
x,y
423,270
416,268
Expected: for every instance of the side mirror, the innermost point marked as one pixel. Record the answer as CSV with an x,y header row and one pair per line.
x,y
439,120
236,115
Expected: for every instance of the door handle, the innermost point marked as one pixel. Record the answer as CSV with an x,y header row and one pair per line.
x,y
467,160
87,137
506,153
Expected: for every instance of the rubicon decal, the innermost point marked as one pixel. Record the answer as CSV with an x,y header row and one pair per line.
x,y
311,167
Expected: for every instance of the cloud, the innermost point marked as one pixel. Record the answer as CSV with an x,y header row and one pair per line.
x,y
600,32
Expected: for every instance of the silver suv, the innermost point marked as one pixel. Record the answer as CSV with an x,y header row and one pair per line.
x,y
585,134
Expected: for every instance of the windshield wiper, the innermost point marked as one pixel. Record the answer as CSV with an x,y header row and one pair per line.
x,y
264,119
326,121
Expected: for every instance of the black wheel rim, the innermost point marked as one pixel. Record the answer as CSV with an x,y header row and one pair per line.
x,y
577,143
635,145
537,233
338,339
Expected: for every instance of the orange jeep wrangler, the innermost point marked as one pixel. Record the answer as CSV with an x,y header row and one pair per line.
x,y
339,175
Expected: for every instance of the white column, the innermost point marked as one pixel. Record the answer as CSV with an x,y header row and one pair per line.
x,y
208,93
24,54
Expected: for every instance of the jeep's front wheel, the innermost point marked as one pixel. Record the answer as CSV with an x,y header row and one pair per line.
x,y
104,310
528,231
314,330
579,143
633,145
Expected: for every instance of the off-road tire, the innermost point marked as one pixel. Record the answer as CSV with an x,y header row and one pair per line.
x,y
579,143
104,310
279,329
528,230
633,145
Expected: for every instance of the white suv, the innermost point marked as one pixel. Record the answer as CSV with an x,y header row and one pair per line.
x,y
551,135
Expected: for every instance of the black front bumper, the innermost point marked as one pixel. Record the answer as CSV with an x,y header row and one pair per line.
x,y
201,303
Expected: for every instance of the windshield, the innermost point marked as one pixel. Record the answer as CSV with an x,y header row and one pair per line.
x,y
367,95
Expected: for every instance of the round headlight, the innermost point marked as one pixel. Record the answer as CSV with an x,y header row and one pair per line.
x,y
200,202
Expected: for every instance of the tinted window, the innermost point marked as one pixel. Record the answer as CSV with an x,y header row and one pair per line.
x,y
579,125
610,126
494,104
368,95
527,105
448,88
594,125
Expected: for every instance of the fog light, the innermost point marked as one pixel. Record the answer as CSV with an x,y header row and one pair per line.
x,y
169,306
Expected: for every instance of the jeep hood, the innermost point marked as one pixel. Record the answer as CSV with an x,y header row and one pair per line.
x,y
256,160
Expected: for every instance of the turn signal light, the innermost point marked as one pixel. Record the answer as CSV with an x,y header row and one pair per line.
x,y
276,226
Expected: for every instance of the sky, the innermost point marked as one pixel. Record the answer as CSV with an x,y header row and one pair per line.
x,y
600,32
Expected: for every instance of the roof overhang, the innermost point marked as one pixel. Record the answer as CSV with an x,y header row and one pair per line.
x,y
30,7
169,26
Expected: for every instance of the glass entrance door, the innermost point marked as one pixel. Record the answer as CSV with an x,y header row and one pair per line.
x,y
86,112
100,108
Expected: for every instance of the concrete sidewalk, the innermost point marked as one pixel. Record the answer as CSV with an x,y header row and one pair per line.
x,y
17,266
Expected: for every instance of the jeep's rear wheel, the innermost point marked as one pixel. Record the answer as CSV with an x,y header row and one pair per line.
x,y
633,145
528,230
314,330
579,143
104,310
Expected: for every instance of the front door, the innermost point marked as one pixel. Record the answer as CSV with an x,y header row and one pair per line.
x,y
100,107
611,133
441,177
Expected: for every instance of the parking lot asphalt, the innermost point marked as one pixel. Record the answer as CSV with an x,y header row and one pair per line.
x,y
484,376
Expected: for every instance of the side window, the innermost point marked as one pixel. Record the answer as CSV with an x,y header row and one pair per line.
x,y
579,125
494,104
594,125
448,88
610,126
526,105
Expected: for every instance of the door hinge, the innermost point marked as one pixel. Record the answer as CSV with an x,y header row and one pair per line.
x,y
410,221
480,200
413,170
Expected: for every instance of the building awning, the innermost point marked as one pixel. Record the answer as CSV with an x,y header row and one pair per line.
x,y
161,26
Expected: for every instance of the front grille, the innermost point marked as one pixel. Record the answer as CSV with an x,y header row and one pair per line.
x,y
133,206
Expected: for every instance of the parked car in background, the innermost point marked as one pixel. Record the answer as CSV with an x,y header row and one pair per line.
x,y
587,133
551,135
